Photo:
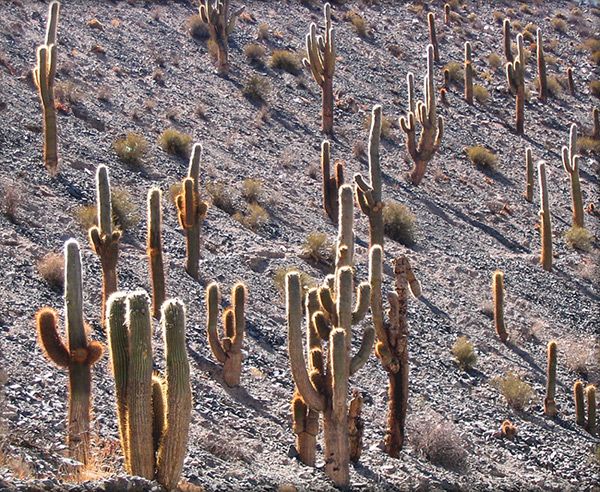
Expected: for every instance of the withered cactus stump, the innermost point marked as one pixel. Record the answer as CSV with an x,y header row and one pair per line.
x,y
355,426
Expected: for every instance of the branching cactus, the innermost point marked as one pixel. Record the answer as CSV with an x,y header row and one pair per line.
x,y
392,340
331,184
541,66
355,425
228,349
77,354
368,195
432,36
104,239
154,250
571,164
528,175
579,403
498,295
549,401
515,76
432,125
191,212
468,73
215,14
43,77
590,393
153,411
321,64
508,54
545,223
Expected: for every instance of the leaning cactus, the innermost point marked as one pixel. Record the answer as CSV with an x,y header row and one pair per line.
x,y
498,295
228,349
515,76
104,239
432,36
154,250
191,212
541,65
368,195
220,23
78,355
321,64
468,74
43,77
153,411
331,184
571,164
528,175
579,403
433,125
549,402
545,224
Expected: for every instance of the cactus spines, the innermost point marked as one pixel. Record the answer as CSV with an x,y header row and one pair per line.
x,y
515,76
579,403
191,212
215,14
447,14
78,355
508,429
432,36
355,425
331,184
43,77
155,251
498,295
590,393
541,66
178,396
596,118
368,195
321,64
104,240
345,238
507,41
528,175
570,81
432,126
545,224
571,165
228,349
549,402
468,73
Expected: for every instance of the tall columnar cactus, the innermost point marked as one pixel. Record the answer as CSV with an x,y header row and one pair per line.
x,y
541,66
345,237
191,212
154,250
447,14
549,402
545,224
528,175
508,54
432,125
356,425
498,295
153,411
468,74
77,355
579,403
104,239
433,37
515,76
392,340
321,64
331,184
368,195
43,77
215,14
596,118
228,349
590,393
571,164
570,81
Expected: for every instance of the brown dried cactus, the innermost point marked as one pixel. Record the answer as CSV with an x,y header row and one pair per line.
x,y
331,184
355,425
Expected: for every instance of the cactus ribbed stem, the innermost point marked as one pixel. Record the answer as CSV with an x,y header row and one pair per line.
x,y
345,239
545,224
331,184
528,175
468,74
571,165
549,402
155,251
579,403
215,14
447,14
498,294
432,36
507,42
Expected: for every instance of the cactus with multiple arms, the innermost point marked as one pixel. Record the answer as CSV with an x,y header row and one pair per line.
x,y
468,73
498,295
78,355
432,36
154,250
432,125
571,164
515,76
43,77
545,224
191,212
215,14
368,195
153,412
321,64
541,65
549,402
104,239
528,175
331,184
227,350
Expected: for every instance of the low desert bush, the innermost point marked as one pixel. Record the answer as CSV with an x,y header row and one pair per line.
x,y
51,268
399,223
197,28
481,94
306,281
257,88
579,238
588,145
463,352
318,248
255,217
595,87
175,142
252,190
131,149
254,53
125,215
286,61
494,61
438,440
455,71
517,393
482,157
221,196
358,23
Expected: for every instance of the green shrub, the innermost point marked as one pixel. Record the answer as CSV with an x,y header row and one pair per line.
x,y
463,352
399,223
481,94
175,142
455,71
517,393
131,149
257,88
252,190
286,61
480,156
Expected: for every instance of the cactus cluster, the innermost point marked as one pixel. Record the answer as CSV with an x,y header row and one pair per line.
x,y
515,76
571,165
331,184
580,395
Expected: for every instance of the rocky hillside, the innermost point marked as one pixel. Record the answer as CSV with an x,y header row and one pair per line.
x,y
135,67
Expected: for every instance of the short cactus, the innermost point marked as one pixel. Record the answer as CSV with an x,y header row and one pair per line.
x,y
78,355
590,393
528,175
331,184
508,429
498,295
549,402
191,212
579,403
515,76
154,250
545,224
541,66
228,349
433,37
321,64
104,239
468,73
571,165
43,77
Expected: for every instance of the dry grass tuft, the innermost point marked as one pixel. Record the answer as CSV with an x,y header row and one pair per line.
x,y
399,223
252,190
175,142
254,53
517,393
286,61
358,23
318,248
51,268
255,218
463,352
125,215
197,28
221,196
306,281
481,94
482,157
257,88
579,238
131,148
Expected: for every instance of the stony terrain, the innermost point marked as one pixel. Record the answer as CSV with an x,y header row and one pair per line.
x,y
139,70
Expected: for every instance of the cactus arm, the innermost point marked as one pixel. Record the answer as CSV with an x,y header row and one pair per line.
x,y
366,346
340,370
498,296
154,250
212,307
327,302
345,239
239,301
49,339
363,302
74,297
321,325
375,279
194,165
579,403
51,27
344,288
546,225
158,411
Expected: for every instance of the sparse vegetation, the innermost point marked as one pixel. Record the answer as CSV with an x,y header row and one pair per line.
x,y
399,223
255,53
494,61
131,149
463,352
252,190
517,393
306,280
481,94
286,61
51,268
10,200
595,87
318,248
579,238
257,88
588,145
358,23
455,71
125,215
554,87
262,31
254,218
439,441
386,125
198,29
221,196
482,157
175,142
559,24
